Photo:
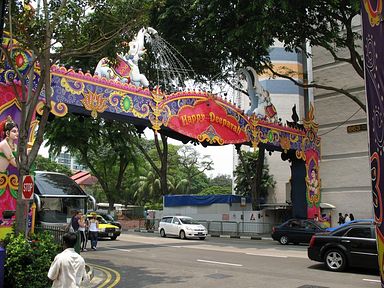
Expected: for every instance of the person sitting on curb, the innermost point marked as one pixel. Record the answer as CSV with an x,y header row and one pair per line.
x,y
68,268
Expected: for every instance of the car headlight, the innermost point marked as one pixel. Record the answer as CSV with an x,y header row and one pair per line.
x,y
188,228
102,229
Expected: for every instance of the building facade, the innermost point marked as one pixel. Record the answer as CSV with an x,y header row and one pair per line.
x,y
344,166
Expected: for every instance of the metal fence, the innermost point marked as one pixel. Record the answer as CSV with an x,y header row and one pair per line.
x,y
56,231
231,228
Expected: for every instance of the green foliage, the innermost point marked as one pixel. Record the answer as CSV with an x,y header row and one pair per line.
x,y
28,261
244,180
216,190
104,146
46,164
221,180
217,37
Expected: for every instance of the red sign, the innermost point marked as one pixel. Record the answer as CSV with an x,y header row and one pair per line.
x,y
208,121
28,187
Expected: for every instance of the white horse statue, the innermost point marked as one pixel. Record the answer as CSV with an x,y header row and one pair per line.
x,y
261,104
127,70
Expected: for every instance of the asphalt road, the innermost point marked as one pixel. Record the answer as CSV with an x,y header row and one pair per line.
x,y
147,260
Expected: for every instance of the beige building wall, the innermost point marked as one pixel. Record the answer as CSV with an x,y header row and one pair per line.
x,y
344,165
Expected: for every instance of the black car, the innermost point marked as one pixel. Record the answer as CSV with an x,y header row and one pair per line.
x,y
296,231
353,245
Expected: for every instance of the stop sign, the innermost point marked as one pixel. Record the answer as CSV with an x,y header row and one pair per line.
x,y
28,187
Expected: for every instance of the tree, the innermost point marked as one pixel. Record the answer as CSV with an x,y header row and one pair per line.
x,y
221,181
52,31
225,35
46,164
193,165
247,181
104,146
161,169
215,190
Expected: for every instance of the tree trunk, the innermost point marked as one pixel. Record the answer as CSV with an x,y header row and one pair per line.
x,y
259,175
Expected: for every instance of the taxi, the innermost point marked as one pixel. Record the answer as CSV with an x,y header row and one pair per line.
x,y
106,229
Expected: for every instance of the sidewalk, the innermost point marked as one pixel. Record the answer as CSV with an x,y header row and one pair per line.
x,y
97,277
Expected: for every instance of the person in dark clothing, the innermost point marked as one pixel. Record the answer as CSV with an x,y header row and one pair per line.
x,y
341,219
351,217
75,221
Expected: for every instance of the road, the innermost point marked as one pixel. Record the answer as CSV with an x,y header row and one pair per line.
x,y
147,260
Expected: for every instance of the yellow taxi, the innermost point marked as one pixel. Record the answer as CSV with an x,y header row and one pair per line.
x,y
106,229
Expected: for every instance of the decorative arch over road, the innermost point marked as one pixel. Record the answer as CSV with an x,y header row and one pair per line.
x,y
187,116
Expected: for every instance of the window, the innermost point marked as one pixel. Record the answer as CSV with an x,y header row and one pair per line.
x,y
166,219
359,232
309,225
175,221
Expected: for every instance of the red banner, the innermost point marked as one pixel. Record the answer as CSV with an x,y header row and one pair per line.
x,y
208,121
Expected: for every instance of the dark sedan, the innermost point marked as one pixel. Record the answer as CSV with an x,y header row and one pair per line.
x,y
296,231
353,245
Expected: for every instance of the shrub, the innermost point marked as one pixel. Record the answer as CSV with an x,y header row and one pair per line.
x,y
28,260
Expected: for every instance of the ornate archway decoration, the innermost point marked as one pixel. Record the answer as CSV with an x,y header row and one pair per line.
x,y
94,102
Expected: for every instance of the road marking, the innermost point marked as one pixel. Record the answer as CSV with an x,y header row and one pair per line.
x,y
372,280
221,263
107,272
267,255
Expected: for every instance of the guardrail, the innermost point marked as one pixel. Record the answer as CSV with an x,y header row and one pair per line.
x,y
231,228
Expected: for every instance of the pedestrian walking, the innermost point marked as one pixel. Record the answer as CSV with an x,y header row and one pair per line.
x,y
93,230
83,233
341,219
75,221
351,216
68,268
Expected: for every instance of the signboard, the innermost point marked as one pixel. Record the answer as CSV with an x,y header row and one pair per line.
x,y
209,121
28,187
356,128
243,202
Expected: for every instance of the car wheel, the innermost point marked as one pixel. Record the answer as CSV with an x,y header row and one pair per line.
x,y
284,240
335,260
182,235
162,233
202,238
113,238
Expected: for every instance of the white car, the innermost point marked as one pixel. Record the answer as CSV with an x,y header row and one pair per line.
x,y
182,226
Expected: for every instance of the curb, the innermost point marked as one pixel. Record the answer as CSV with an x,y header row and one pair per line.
x,y
253,237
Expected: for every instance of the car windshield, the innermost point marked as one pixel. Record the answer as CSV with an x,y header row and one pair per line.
x,y
188,221
108,217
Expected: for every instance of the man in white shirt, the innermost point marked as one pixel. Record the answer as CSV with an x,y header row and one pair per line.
x,y
68,268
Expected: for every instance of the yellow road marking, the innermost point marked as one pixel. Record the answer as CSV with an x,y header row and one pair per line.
x,y
108,271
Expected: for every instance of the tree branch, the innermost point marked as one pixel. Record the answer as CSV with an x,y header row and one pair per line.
x,y
325,87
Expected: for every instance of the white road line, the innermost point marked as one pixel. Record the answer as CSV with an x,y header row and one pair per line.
x,y
372,280
267,255
221,263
